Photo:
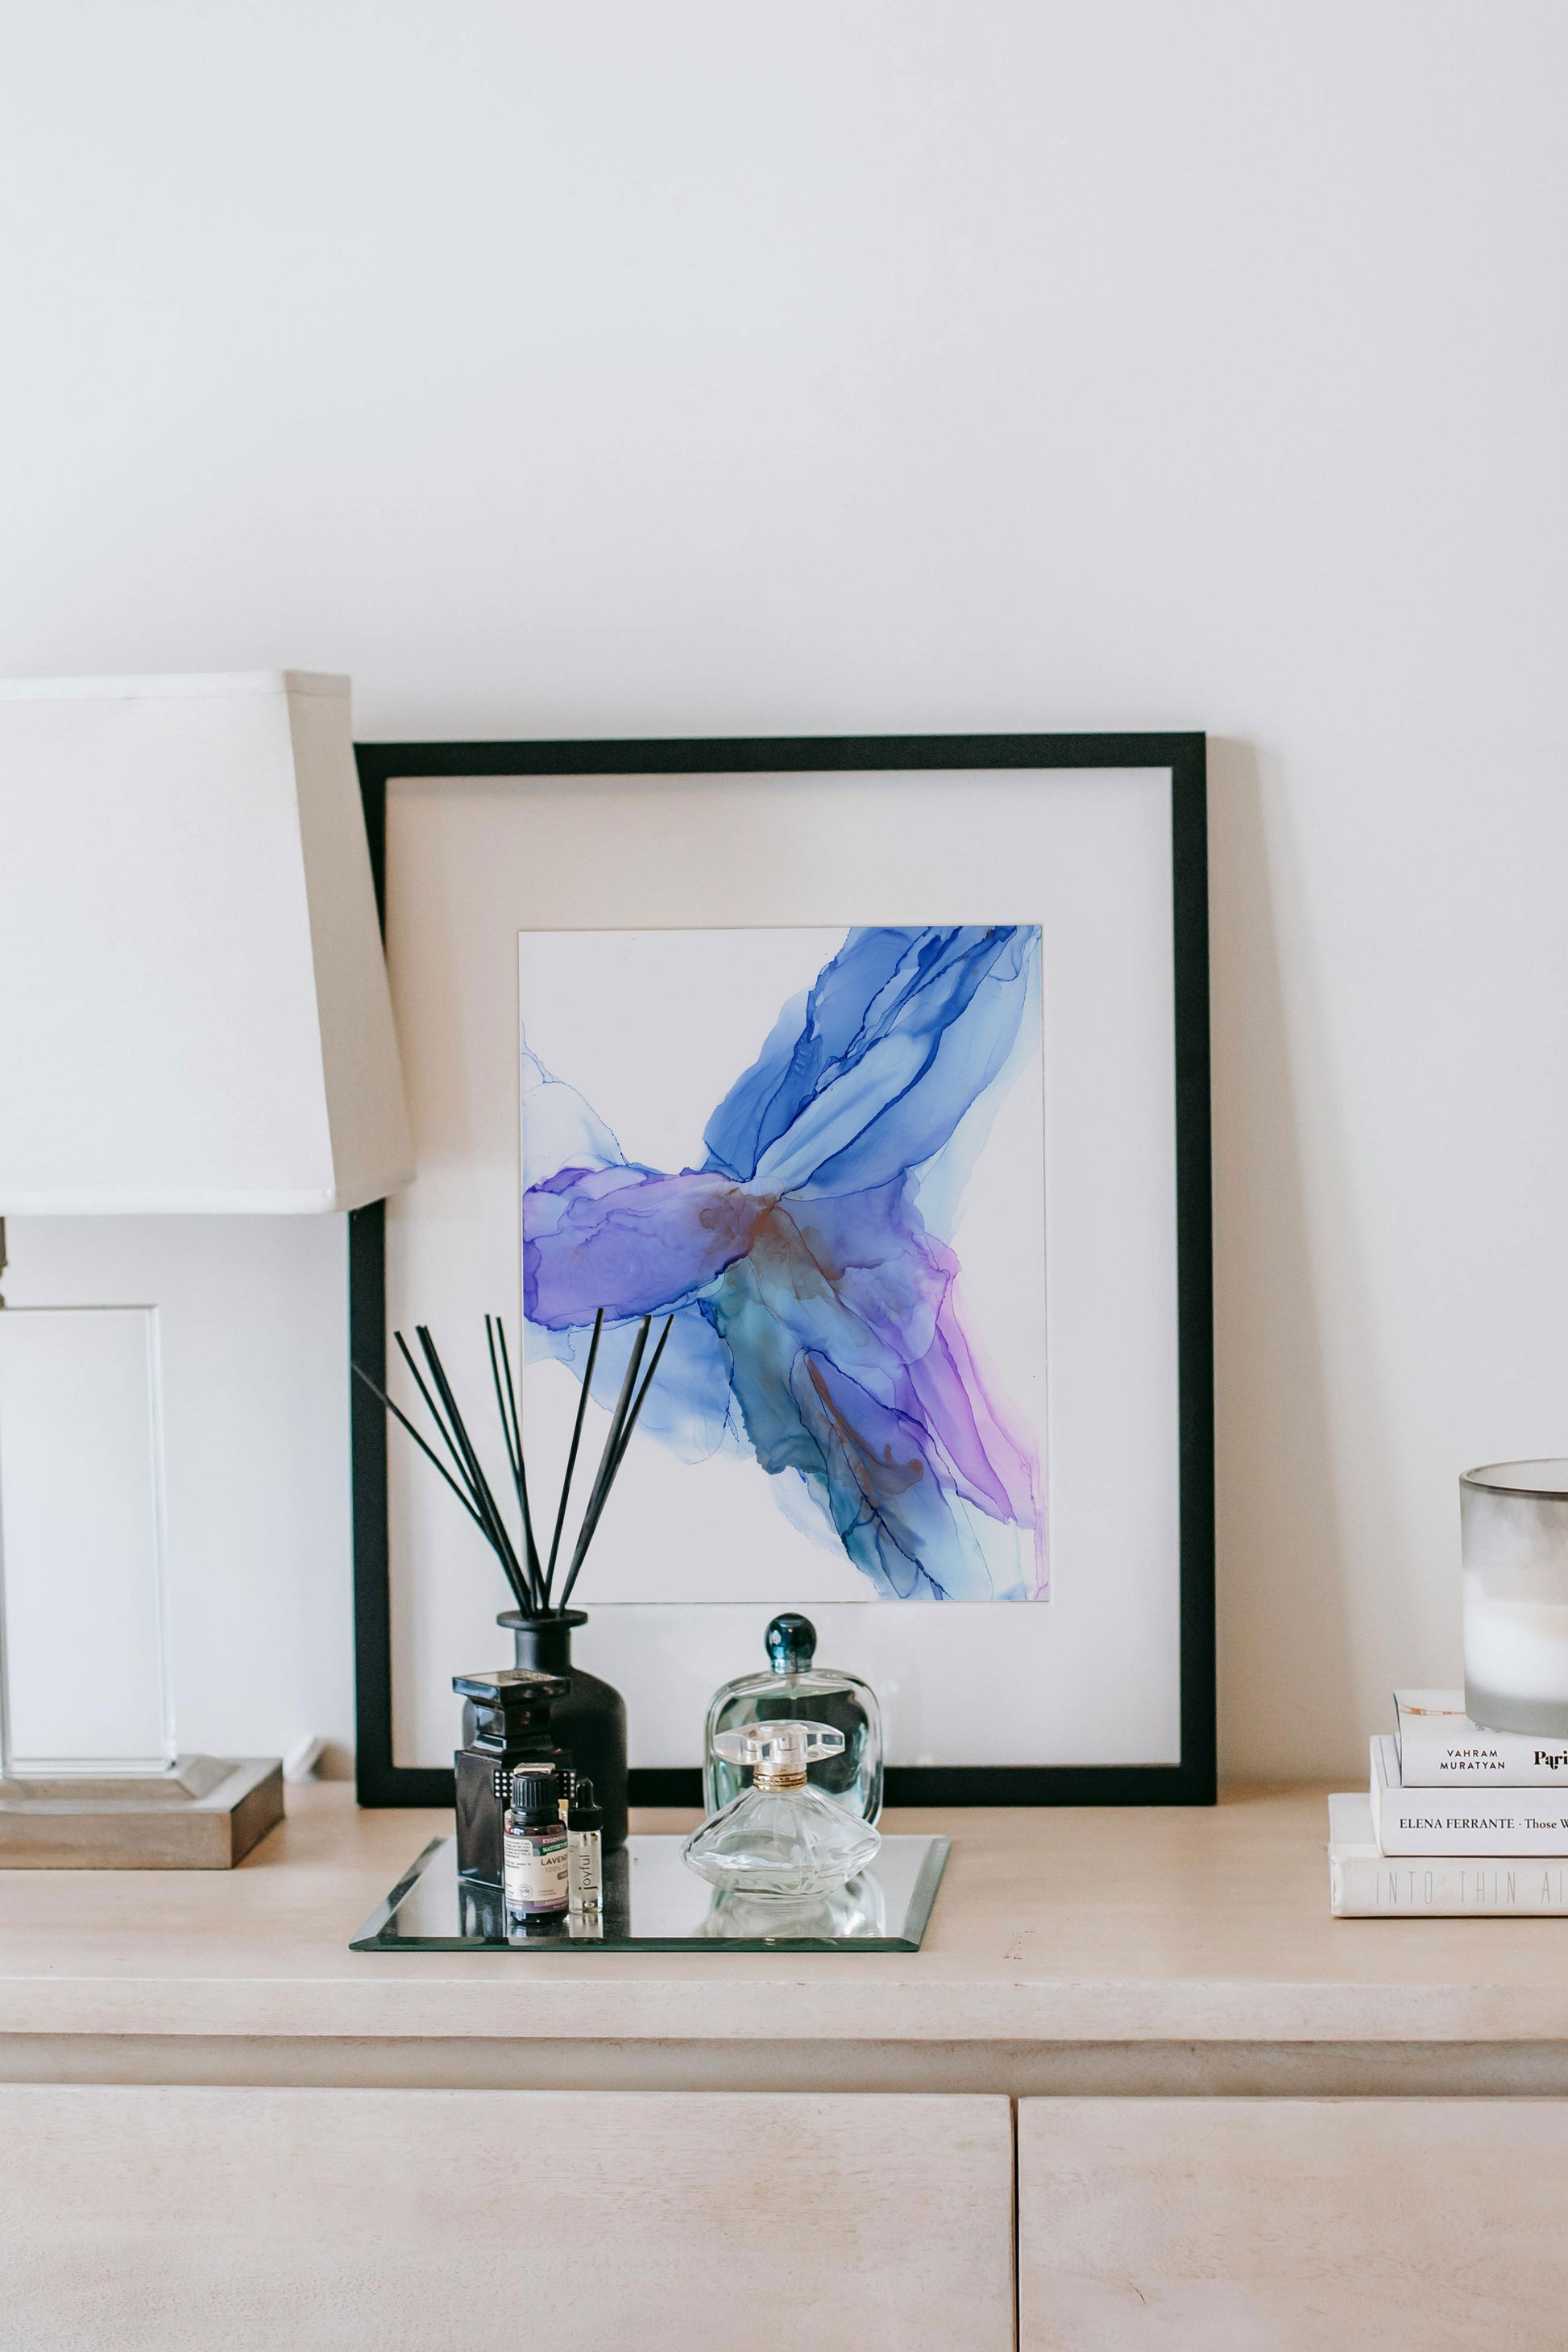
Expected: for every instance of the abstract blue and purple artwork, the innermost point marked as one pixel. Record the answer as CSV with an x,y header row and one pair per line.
x,y
822,1151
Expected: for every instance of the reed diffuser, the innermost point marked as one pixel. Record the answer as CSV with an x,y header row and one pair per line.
x,y
591,1721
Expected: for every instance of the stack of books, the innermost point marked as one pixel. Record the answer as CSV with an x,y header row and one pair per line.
x,y
1459,1821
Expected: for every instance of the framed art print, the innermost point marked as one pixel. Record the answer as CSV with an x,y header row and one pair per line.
x,y
826,1170
877,1070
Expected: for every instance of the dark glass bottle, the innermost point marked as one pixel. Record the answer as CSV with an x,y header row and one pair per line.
x,y
590,1722
508,1720
537,1879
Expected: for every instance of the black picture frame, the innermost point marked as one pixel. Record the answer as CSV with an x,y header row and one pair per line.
x,y
1191,1780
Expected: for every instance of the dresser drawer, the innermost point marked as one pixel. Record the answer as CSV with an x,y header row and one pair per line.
x,y
1291,2225
170,2220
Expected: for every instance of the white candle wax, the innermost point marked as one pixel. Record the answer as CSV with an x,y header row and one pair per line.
x,y
1516,1648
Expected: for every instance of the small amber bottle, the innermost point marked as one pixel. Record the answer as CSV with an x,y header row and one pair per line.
x,y
537,1884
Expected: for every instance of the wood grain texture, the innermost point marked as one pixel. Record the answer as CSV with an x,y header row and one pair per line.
x,y
319,2221
1291,2225
1054,1925
1016,2070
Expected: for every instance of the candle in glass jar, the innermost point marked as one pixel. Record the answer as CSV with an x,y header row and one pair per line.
x,y
1514,1517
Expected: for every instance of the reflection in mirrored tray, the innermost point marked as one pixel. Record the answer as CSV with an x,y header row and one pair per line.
x,y
653,1903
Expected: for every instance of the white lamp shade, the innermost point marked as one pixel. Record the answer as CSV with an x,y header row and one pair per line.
x,y
193,1007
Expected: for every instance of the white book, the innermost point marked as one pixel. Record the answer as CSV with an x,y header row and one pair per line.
x,y
1364,1884
1440,1748
1462,1821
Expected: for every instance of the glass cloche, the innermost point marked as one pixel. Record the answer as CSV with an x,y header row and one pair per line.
x,y
793,1685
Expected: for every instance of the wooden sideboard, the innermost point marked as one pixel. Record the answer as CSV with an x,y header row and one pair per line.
x,y
1138,2089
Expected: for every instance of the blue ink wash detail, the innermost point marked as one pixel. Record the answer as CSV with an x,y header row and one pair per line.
x,y
815,1327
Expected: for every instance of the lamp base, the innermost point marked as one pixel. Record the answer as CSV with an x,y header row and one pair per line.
x,y
204,1814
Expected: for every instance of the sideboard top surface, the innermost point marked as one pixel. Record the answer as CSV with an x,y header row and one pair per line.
x,y
1053,1925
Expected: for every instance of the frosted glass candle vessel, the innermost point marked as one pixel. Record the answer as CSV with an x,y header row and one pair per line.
x,y
1514,1518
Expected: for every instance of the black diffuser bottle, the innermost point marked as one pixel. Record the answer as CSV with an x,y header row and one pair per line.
x,y
588,1725
590,1722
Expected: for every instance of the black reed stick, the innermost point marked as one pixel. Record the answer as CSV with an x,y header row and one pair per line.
x,y
424,1449
605,1470
511,1437
461,1454
462,1492
433,1410
531,1586
637,1400
537,1572
482,1495
454,1425
597,1503
571,1457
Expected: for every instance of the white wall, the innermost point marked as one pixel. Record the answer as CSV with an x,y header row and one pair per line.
x,y
708,368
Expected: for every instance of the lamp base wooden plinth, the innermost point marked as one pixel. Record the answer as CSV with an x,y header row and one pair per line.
x,y
204,1814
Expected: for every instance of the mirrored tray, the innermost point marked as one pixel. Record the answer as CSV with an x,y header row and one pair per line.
x,y
654,1904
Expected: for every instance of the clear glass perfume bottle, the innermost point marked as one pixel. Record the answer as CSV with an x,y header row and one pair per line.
x,y
857,1909
792,1688
781,1836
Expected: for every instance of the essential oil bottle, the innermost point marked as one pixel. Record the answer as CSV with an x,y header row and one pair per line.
x,y
584,1850
537,1884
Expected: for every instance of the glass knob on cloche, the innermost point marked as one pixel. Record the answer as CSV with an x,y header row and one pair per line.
x,y
792,1686
781,1836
